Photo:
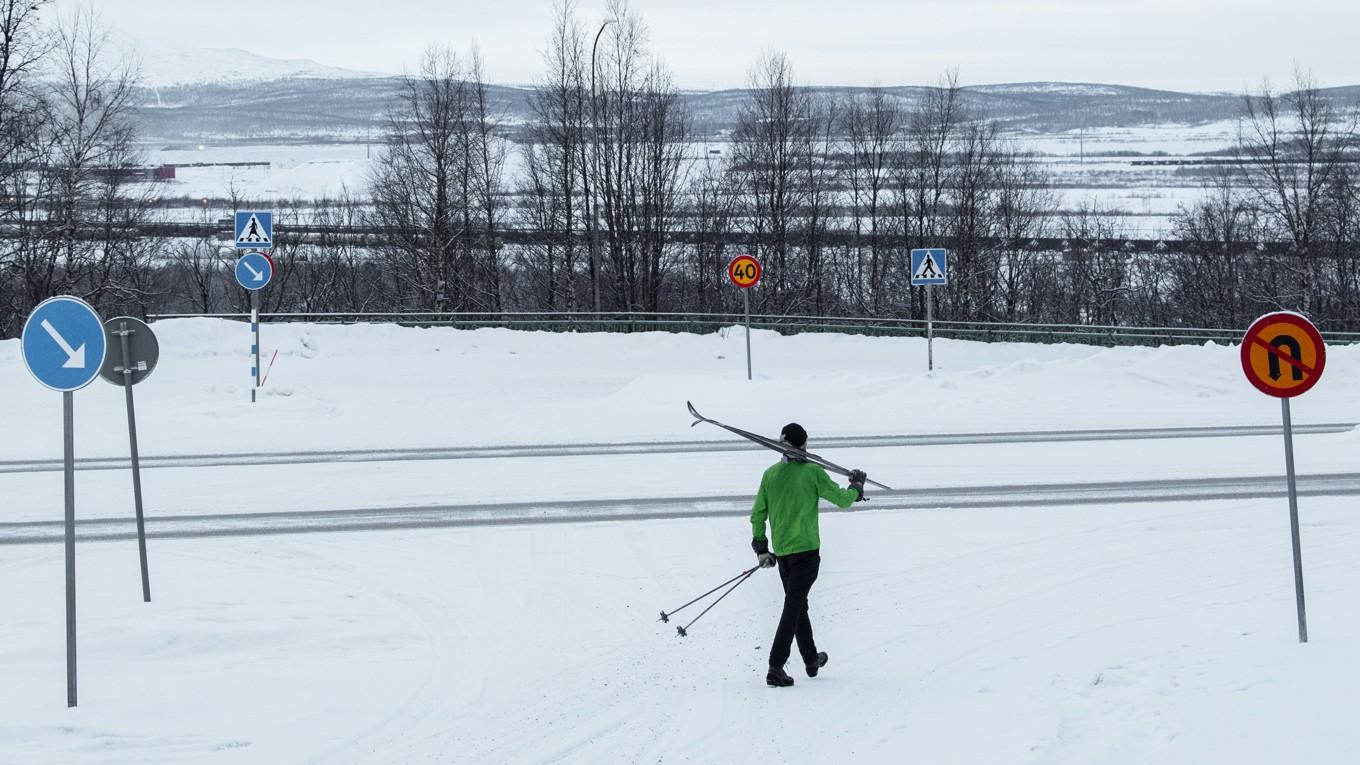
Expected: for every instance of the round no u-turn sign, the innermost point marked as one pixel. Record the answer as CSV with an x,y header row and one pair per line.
x,y
1283,354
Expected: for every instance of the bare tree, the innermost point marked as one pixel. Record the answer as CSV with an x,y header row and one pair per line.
x,y
819,178
416,185
24,41
1296,145
1097,268
872,123
641,136
555,159
923,176
488,153
970,199
769,153
1023,209
1214,283
713,207
198,267
71,199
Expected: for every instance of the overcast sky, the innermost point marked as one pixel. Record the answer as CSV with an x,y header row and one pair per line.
x,y
1177,44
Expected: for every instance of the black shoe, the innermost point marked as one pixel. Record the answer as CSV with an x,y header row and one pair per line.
x,y
778,678
813,667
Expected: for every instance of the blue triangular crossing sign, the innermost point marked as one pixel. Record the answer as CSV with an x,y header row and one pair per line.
x,y
929,267
254,230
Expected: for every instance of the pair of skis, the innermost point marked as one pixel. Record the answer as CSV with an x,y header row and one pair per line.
x,y
779,446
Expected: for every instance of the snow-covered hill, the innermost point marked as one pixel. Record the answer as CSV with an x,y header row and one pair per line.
x,y
164,66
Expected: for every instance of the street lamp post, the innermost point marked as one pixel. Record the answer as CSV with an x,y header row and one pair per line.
x,y
595,172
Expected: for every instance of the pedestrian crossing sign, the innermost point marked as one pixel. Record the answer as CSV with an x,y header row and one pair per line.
x,y
254,230
929,267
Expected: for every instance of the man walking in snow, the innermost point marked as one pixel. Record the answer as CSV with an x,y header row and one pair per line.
x,y
789,491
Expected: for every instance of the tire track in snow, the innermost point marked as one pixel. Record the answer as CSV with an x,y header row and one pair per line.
x,y
448,516
226,459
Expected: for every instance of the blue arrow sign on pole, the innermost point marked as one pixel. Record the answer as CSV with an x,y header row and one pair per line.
x,y
253,271
254,230
63,343
930,267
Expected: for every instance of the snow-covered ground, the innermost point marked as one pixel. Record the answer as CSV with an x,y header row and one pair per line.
x,y
1112,633
1146,196
1170,139
387,386
294,171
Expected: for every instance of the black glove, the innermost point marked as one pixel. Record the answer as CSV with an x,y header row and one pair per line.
x,y
762,551
857,479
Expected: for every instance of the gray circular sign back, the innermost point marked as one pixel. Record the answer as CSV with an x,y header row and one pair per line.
x,y
143,350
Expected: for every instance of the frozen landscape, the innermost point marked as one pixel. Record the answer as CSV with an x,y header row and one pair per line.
x,y
1094,141
426,470
507,611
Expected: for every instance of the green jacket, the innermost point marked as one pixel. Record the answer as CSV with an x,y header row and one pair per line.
x,y
788,497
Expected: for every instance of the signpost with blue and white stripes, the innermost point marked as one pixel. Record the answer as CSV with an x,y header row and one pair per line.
x,y
253,272
64,347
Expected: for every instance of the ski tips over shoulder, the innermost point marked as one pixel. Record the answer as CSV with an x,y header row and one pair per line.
x,y
782,448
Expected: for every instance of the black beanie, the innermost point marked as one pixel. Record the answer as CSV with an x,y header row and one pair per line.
x,y
794,435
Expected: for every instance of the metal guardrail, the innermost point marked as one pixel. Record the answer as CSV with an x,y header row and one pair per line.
x,y
1093,334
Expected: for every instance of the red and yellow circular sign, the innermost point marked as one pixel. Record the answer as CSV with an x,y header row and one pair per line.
x,y
744,271
1283,354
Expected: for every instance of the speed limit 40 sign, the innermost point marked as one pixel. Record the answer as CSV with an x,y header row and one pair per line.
x,y
744,271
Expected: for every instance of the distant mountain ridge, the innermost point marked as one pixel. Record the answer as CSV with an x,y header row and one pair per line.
x,y
168,66
225,94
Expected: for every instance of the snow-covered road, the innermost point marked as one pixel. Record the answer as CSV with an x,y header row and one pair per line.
x,y
644,479
1011,602
658,447
651,508
1105,633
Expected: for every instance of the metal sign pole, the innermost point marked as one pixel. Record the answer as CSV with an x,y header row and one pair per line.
x,y
746,300
68,423
255,349
123,333
930,331
1294,520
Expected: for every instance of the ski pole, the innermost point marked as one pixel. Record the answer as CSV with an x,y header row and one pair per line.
x,y
684,631
666,617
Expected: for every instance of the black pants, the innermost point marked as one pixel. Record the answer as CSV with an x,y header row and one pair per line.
x,y
797,572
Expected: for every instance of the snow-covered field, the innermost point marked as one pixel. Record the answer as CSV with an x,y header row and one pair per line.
x,y
1111,633
1146,196
1170,139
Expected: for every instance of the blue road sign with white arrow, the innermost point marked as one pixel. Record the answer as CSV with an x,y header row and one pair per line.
x,y
929,267
253,271
254,230
63,343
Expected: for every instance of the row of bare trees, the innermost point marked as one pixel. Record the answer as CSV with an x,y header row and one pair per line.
x,y
438,190
66,138
1299,184
633,211
606,169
